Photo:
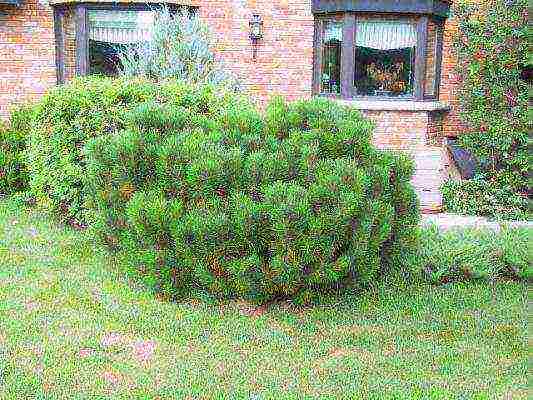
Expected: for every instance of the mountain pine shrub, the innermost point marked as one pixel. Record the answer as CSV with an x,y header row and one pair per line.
x,y
475,254
209,193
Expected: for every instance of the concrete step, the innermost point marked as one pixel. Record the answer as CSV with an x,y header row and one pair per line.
x,y
430,174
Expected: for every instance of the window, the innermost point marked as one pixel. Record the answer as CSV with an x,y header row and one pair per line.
x,y
108,30
385,58
89,35
382,55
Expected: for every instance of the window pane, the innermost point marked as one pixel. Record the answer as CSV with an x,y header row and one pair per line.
x,y
384,58
330,78
108,30
431,64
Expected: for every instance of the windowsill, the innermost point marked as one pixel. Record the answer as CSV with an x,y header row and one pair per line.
x,y
396,105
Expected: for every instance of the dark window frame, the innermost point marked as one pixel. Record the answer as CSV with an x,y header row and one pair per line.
x,y
82,31
348,90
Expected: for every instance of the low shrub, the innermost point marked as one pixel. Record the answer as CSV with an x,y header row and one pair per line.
x,y
222,198
68,116
13,135
483,198
476,254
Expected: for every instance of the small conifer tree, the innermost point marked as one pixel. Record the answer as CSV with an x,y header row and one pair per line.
x,y
179,48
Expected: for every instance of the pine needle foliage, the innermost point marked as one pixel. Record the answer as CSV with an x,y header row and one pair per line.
x,y
203,191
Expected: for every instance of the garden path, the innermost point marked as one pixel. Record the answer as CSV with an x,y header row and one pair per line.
x,y
451,221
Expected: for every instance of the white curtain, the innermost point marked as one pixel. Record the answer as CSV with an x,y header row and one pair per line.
x,y
120,27
385,35
333,31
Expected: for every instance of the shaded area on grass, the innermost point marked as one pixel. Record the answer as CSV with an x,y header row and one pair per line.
x,y
71,326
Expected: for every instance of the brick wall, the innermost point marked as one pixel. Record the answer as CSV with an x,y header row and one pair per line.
x,y
284,62
27,53
399,130
450,80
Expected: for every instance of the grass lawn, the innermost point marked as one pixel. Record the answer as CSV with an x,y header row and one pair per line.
x,y
72,327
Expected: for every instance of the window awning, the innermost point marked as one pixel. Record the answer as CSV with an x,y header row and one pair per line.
x,y
120,27
11,2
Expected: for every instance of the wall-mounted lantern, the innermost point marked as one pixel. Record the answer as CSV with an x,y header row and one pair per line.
x,y
256,32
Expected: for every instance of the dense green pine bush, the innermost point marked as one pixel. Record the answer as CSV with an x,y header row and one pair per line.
x,y
475,254
13,135
209,193
66,118
492,46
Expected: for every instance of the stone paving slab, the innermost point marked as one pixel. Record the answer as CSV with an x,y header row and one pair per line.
x,y
452,221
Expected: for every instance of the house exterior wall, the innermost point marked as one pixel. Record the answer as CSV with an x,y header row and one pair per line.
x,y
284,63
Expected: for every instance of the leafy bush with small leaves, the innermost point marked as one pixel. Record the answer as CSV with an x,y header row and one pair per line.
x,y
215,195
479,197
492,46
13,134
67,117
180,47
476,254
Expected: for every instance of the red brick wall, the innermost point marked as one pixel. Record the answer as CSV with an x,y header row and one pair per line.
x,y
27,53
284,62
400,130
450,80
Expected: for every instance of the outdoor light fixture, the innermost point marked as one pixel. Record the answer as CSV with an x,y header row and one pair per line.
x,y
256,32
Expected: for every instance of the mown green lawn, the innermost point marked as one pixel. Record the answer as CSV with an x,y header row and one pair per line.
x,y
71,327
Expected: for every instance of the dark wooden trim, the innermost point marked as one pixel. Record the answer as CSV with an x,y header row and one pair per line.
x,y
59,15
348,90
15,3
420,59
437,8
82,40
381,98
317,59
125,6
348,56
438,72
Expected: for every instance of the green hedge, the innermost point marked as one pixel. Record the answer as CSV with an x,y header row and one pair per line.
x,y
476,254
482,198
212,194
492,46
66,118
13,135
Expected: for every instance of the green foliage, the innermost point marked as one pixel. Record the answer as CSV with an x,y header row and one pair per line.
x,y
68,116
476,254
493,49
180,48
13,134
479,197
211,194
